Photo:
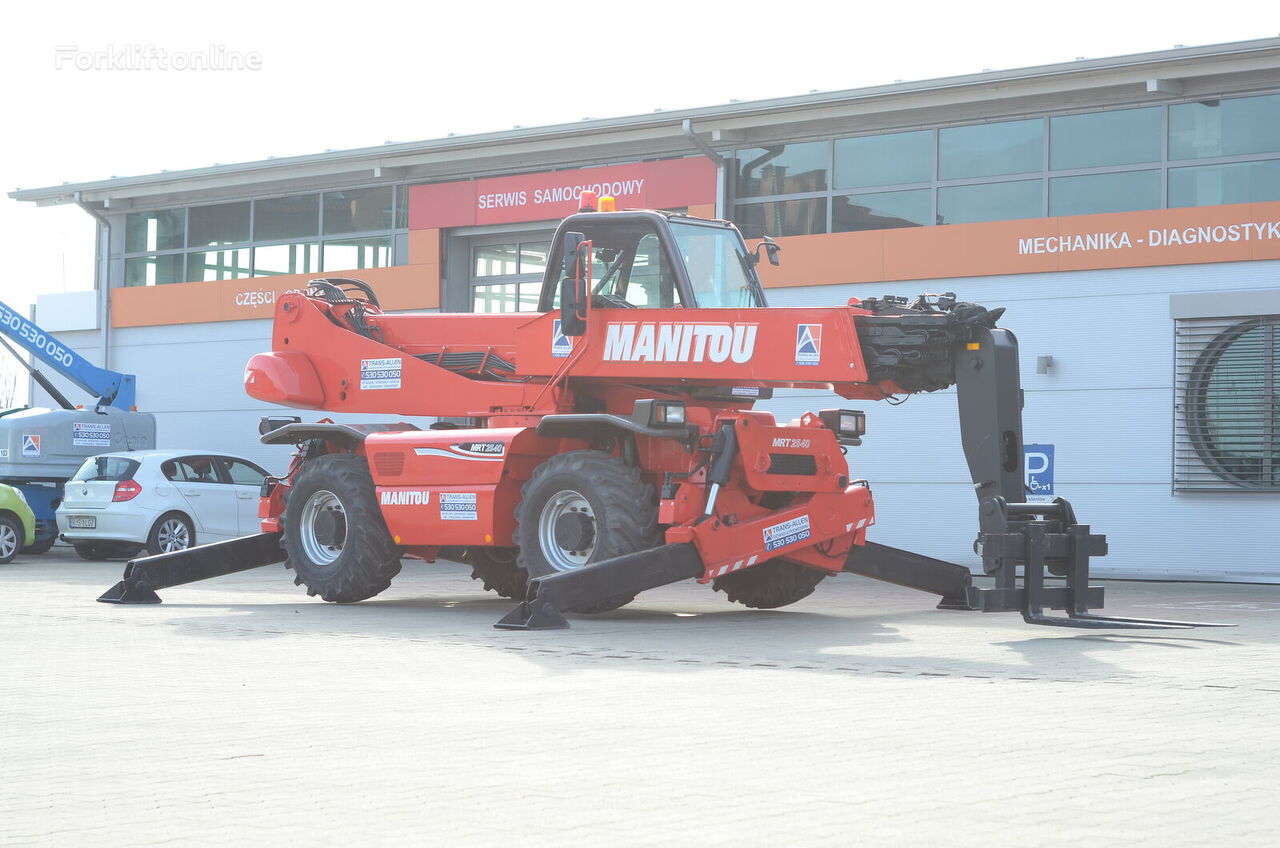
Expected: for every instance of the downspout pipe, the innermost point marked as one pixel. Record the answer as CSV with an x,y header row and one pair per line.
x,y
721,163
100,279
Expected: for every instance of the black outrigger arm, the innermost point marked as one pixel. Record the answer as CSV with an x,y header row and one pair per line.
x,y
142,577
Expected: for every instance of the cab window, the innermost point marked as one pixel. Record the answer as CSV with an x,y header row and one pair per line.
x,y
717,266
628,268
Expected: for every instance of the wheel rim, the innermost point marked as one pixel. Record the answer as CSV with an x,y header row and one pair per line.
x,y
8,541
562,503
173,535
323,508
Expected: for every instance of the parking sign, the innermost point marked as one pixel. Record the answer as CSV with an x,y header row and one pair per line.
x,y
1038,465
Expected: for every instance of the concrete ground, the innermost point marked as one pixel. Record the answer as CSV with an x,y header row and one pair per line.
x,y
243,712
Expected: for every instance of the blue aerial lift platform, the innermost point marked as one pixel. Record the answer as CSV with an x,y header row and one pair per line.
x,y
41,448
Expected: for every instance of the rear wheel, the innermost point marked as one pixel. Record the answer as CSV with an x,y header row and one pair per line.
x,y
770,585
496,568
41,547
90,551
334,533
10,538
584,507
172,531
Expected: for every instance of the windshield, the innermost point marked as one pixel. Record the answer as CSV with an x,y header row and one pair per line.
x,y
106,468
717,265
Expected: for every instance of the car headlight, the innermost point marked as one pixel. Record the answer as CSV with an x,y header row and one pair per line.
x,y
21,495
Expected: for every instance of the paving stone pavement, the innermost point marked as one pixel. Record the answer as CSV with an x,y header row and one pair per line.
x,y
242,711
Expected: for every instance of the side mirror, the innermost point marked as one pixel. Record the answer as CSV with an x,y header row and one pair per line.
x,y
573,287
771,247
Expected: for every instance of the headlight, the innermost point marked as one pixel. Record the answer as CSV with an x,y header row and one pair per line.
x,y
659,413
21,495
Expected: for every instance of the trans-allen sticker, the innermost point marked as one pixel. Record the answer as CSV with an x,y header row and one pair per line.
x,y
30,445
560,344
90,434
457,506
380,373
786,533
808,344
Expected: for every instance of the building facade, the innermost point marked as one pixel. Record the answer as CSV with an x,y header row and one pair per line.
x,y
1126,211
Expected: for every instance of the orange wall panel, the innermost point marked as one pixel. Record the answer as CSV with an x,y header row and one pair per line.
x,y
1080,242
424,247
400,287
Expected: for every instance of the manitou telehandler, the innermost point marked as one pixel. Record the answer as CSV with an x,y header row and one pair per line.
x,y
610,445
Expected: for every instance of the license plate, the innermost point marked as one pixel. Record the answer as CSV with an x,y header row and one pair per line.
x,y
83,522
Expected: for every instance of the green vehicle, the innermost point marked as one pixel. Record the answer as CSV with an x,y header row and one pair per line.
x,y
17,523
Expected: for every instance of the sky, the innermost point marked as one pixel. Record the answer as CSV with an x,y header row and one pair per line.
x,y
343,75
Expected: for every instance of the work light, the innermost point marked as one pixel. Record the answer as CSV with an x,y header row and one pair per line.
x,y
849,425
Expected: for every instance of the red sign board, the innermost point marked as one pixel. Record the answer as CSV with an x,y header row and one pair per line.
x,y
554,194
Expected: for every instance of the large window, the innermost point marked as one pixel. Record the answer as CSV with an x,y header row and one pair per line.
x,y
987,150
1099,139
1120,160
1239,182
348,230
1224,127
1227,404
506,276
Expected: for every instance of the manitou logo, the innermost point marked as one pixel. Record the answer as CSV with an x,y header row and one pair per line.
x,y
668,341
404,498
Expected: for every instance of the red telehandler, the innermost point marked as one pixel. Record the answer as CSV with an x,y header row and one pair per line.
x,y
609,444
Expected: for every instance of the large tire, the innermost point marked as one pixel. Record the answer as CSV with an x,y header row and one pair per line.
x,y
619,516
496,568
172,531
11,534
771,584
334,533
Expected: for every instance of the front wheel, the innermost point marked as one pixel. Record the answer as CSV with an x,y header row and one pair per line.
x,y
10,538
584,507
334,533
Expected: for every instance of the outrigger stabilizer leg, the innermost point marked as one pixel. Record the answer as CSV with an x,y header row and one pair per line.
x,y
142,577
625,576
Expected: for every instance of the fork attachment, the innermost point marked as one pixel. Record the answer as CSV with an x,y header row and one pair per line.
x,y
1045,539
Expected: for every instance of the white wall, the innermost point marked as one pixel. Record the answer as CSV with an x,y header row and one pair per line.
x,y
1106,406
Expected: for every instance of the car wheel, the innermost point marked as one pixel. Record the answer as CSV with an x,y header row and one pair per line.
x,y
90,551
10,538
172,531
39,547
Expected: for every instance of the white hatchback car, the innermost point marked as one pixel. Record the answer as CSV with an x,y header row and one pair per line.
x,y
162,500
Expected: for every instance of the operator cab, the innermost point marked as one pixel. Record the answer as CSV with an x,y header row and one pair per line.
x,y
656,260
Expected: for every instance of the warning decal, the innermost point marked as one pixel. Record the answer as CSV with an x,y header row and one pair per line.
x,y
457,506
90,434
379,373
30,445
808,344
786,533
